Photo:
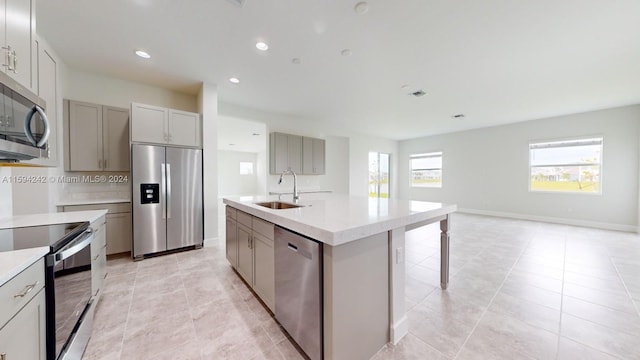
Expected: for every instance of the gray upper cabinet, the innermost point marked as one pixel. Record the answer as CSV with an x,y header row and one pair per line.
x,y
158,125
97,137
313,156
17,22
285,153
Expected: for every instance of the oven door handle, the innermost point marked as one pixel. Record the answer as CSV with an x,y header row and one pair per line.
x,y
75,246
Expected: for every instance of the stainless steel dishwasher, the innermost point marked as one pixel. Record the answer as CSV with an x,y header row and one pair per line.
x,y
298,289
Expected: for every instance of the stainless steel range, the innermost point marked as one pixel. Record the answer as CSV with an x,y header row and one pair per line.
x,y
68,282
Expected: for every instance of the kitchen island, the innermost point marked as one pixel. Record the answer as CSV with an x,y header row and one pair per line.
x,y
363,269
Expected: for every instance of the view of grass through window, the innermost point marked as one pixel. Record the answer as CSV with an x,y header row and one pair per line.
x,y
378,175
426,169
566,166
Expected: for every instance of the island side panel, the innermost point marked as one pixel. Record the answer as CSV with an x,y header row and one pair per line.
x,y
356,298
399,324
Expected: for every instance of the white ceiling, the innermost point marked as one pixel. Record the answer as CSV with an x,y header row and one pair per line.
x,y
496,61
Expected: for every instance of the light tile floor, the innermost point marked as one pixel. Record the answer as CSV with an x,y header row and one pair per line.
x,y
518,290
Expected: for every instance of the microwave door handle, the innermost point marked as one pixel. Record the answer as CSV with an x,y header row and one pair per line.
x,y
27,126
75,247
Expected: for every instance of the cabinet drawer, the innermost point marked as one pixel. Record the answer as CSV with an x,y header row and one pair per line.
x,y
112,208
231,212
244,219
263,228
28,282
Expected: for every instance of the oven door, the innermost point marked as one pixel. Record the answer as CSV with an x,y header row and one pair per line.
x,y
69,286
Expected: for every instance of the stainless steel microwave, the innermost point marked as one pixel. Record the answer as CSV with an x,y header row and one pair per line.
x,y
24,127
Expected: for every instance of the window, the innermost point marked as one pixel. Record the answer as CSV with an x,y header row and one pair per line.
x,y
246,168
378,175
426,169
566,166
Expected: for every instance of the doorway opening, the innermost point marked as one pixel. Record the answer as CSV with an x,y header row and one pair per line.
x,y
379,165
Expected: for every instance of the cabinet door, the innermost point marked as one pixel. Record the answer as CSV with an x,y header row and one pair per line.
x,y
118,233
318,157
24,337
264,280
294,153
231,242
115,130
278,157
84,151
19,37
245,254
184,128
149,123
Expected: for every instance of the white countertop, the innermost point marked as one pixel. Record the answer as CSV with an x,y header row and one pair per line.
x,y
51,218
68,202
336,219
13,262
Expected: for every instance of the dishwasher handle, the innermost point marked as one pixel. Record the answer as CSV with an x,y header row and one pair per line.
x,y
301,252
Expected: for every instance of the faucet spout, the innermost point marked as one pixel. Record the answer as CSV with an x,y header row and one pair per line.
x,y
296,196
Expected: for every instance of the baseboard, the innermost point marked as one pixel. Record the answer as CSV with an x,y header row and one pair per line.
x,y
399,330
554,220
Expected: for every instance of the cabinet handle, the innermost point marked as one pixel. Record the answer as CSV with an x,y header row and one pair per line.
x,y
7,58
15,62
105,164
26,290
249,242
99,164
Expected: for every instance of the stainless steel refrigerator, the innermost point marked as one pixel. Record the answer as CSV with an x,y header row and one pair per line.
x,y
167,199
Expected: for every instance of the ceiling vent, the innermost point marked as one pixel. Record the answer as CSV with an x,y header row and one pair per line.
x,y
238,3
418,93
458,116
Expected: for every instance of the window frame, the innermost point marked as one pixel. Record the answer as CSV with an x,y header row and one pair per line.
x,y
424,155
584,139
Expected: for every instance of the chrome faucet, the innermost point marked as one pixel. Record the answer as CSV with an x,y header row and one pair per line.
x,y
296,196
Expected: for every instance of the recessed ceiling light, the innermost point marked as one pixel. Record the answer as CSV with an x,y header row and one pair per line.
x,y
295,61
262,46
143,54
346,52
234,80
361,7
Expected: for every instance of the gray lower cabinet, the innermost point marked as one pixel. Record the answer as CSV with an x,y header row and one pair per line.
x,y
245,247
231,237
118,224
249,249
22,315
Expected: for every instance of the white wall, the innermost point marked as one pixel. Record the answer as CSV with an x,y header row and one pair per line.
x,y
207,101
231,183
6,194
486,170
100,89
337,173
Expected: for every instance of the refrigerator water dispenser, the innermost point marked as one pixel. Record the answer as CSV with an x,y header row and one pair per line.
x,y
149,193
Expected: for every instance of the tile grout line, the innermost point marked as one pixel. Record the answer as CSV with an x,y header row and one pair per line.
x,y
492,298
126,324
625,286
564,267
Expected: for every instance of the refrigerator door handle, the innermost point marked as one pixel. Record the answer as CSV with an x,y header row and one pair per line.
x,y
164,189
168,191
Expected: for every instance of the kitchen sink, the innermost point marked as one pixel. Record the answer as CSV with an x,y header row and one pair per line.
x,y
278,205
